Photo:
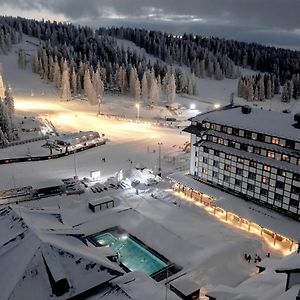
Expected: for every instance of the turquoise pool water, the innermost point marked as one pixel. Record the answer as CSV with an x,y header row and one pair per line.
x,y
132,254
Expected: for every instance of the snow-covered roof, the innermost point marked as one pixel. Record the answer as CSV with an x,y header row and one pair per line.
x,y
185,285
266,218
48,183
277,124
290,263
138,285
27,254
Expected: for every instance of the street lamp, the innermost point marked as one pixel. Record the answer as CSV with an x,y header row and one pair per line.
x,y
159,158
137,105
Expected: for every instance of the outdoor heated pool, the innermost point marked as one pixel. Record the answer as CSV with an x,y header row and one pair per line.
x,y
132,253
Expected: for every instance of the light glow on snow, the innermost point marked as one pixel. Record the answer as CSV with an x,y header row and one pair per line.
x,y
280,243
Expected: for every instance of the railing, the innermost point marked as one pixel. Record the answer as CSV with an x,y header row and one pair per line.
x,y
48,157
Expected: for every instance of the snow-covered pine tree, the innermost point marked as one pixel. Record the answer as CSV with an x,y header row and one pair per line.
x,y
145,89
57,74
89,89
171,89
21,59
10,104
2,89
261,90
133,81
74,82
137,91
65,90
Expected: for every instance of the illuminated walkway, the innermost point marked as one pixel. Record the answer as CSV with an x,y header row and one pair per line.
x,y
276,241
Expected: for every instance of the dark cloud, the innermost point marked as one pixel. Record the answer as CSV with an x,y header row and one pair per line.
x,y
268,21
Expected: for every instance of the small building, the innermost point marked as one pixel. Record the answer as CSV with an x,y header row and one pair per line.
x,y
241,150
185,288
291,267
49,188
101,204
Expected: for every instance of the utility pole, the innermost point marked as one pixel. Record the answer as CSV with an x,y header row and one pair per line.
x,y
159,158
75,163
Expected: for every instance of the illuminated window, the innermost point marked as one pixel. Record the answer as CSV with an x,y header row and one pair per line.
x,y
271,154
275,140
204,171
265,180
227,156
267,168
285,157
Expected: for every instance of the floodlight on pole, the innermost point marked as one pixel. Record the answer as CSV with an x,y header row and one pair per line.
x,y
159,158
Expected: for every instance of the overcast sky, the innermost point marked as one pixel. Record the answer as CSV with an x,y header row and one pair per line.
x,y
275,22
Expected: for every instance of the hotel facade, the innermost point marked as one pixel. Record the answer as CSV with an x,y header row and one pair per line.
x,y
251,153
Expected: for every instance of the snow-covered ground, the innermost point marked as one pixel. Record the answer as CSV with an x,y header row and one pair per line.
x,y
211,252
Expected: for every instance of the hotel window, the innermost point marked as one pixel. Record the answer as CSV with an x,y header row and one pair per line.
x,y
275,140
224,128
205,150
213,126
264,192
227,156
244,147
217,153
239,171
221,141
296,190
271,154
281,173
215,174
238,182
296,177
256,150
227,167
294,203
226,178
235,131
250,187
285,157
248,134
278,197
279,184
253,164
231,144
267,168
290,144
265,180
196,153
205,160
216,164
204,171
252,175
240,160
260,137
